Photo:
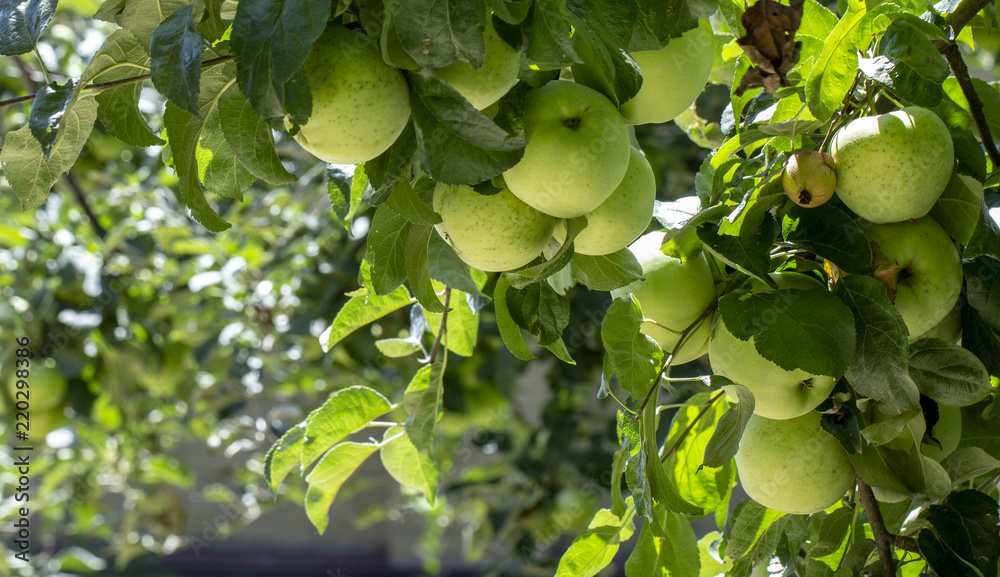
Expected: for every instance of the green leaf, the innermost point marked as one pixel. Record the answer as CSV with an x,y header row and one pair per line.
x,y
661,486
360,310
982,281
121,56
30,174
948,373
436,34
176,49
446,267
957,209
635,25
345,191
981,340
907,63
549,43
218,168
387,245
831,545
271,39
750,524
250,138
633,356
539,310
184,131
592,550
462,325
22,23
457,143
405,201
882,467
141,17
283,456
879,369
962,539
509,330
562,257
606,272
957,106
407,465
345,412
751,255
695,483
329,475
968,463
422,401
385,170
615,72
985,239
47,110
674,556
417,273
725,439
395,348
804,329
830,233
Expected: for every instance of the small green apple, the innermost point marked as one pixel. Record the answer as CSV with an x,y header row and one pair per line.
x,y
792,465
46,387
923,266
44,422
622,217
809,178
359,103
894,166
577,152
949,329
778,394
485,85
672,295
497,232
947,431
672,77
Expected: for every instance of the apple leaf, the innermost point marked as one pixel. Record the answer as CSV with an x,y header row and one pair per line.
x,y
457,143
509,329
794,328
633,356
881,467
606,272
345,191
962,539
879,369
345,412
636,27
22,23
985,238
697,482
250,138
948,373
363,307
325,480
121,56
283,456
661,486
141,17
387,245
539,310
754,528
446,267
47,109
957,209
982,281
908,64
548,31
725,440
675,554
271,40
980,339
750,255
218,168
407,465
175,67
462,324
417,273
619,75
436,34
770,44
593,549
831,544
830,233
967,463
423,403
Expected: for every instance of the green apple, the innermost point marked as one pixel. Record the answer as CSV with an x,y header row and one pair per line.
x,y
778,394
359,103
497,232
947,431
622,217
672,77
44,422
46,387
924,266
577,152
949,329
792,465
672,294
809,178
894,166
485,85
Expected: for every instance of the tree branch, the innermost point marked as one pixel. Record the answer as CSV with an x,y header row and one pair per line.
x,y
964,12
883,540
101,86
74,187
951,53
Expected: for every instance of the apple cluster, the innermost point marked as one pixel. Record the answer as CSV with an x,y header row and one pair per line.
x,y
578,161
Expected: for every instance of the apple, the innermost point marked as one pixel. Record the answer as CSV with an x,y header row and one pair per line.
x,y
949,329
672,294
894,166
947,431
46,387
792,465
621,218
359,103
672,77
578,150
485,85
44,422
809,178
493,233
924,267
778,394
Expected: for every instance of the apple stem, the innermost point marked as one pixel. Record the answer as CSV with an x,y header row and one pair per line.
x,y
883,540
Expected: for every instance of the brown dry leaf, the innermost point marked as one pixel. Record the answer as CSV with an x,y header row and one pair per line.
x,y
886,272
770,44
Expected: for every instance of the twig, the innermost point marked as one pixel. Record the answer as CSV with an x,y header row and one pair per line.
x,y
101,86
964,12
680,342
443,328
74,187
951,53
843,108
690,426
883,539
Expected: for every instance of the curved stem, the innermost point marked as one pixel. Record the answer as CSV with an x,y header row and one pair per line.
x,y
883,540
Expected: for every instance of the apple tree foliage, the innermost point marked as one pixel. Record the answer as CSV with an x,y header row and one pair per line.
x,y
230,74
